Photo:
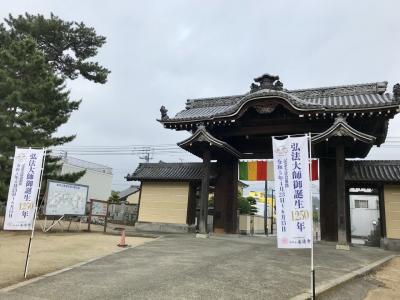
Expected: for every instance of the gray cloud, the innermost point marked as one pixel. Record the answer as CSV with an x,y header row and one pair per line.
x,y
163,52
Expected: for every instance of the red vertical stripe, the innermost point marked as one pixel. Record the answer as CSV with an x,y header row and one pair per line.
x,y
314,168
261,170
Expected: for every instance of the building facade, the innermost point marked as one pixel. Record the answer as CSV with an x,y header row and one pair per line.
x,y
97,177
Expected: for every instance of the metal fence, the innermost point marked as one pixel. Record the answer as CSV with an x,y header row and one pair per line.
x,y
120,214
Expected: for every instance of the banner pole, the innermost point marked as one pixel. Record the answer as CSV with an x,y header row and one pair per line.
x,y
272,211
312,225
28,254
266,208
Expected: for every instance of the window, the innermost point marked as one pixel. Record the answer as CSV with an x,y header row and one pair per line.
x,y
361,203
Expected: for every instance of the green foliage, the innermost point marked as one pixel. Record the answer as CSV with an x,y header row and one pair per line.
x,y
252,202
37,55
246,205
315,216
211,201
114,198
67,46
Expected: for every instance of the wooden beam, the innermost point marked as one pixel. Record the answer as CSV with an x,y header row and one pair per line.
x,y
205,181
225,196
382,213
328,203
272,129
341,197
191,209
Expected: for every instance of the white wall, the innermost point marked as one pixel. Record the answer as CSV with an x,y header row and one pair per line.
x,y
362,218
245,224
99,183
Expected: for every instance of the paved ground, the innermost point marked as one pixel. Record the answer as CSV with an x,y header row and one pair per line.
x,y
381,284
183,267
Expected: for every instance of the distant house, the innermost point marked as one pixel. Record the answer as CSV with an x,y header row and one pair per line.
x,y
168,197
97,177
130,195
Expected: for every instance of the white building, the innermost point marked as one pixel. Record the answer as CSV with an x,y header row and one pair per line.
x,y
97,177
364,212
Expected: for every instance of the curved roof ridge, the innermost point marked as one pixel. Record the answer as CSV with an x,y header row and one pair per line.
x,y
341,128
335,99
202,135
213,101
342,90
289,97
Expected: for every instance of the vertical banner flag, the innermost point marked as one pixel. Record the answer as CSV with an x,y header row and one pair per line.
x,y
24,185
292,186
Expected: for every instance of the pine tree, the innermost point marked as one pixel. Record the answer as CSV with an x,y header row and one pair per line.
x,y
67,46
37,55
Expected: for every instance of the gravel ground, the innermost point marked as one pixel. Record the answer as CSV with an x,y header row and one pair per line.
x,y
52,251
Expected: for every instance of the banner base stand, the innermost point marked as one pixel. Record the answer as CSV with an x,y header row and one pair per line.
x,y
44,229
342,247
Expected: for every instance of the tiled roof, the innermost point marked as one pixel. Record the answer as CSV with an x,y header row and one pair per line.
x,y
373,171
341,128
326,99
129,191
202,135
167,171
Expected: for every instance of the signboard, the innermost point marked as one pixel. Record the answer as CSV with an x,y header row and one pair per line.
x,y
99,208
292,186
24,186
65,198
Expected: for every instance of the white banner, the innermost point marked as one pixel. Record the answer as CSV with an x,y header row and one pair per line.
x,y
292,188
24,185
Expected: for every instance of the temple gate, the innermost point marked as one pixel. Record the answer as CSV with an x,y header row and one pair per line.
x,y
345,122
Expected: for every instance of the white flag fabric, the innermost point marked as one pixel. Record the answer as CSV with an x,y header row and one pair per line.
x,y
24,185
292,190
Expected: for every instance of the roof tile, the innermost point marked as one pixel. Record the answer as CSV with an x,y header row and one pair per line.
x,y
386,171
357,96
167,171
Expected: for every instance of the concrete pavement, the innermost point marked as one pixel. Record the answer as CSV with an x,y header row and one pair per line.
x,y
183,267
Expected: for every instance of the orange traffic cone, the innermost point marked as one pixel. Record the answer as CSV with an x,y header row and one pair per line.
x,y
122,241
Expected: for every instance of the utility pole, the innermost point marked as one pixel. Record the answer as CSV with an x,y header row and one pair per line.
x,y
266,209
146,156
272,212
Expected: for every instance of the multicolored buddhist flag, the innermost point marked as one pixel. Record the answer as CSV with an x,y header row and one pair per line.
x,y
261,170
253,170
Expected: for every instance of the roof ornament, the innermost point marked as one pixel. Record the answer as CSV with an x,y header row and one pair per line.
x,y
164,115
396,90
266,81
340,118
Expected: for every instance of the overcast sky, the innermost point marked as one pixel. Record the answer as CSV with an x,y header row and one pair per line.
x,y
163,52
